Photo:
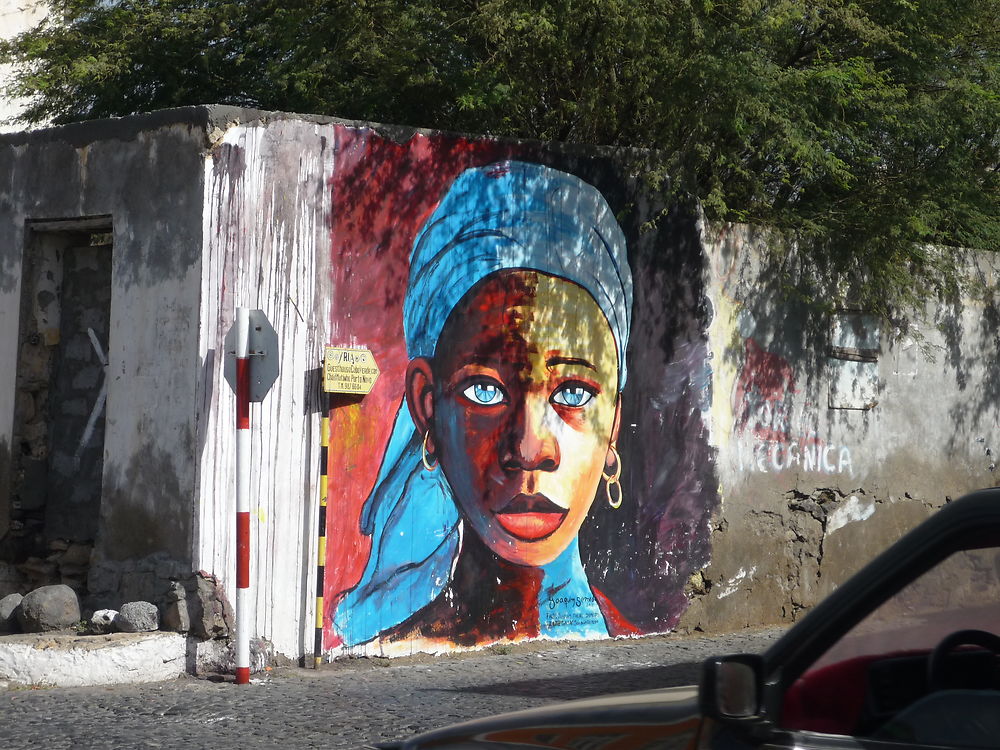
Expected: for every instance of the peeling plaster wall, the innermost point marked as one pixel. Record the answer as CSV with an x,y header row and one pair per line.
x,y
144,173
212,208
835,433
266,230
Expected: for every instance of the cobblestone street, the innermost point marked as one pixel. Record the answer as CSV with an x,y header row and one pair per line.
x,y
352,702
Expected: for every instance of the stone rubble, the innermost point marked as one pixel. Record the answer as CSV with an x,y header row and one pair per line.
x,y
192,605
102,622
195,605
137,617
8,613
64,562
212,616
174,614
11,580
39,572
48,608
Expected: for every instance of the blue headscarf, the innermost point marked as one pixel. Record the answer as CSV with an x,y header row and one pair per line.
x,y
508,215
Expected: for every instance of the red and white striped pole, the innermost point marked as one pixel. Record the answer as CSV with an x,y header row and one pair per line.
x,y
242,496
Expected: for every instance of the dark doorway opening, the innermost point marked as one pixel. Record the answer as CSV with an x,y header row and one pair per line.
x,y
58,456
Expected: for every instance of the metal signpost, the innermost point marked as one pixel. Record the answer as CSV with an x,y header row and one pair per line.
x,y
250,336
345,370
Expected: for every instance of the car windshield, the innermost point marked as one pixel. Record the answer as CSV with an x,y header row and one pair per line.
x,y
961,592
921,668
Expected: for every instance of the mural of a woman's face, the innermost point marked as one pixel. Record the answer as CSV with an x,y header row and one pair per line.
x,y
521,402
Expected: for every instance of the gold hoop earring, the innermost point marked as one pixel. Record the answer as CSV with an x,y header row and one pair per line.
x,y
612,481
424,454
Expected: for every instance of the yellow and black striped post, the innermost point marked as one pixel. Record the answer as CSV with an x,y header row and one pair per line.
x,y
324,442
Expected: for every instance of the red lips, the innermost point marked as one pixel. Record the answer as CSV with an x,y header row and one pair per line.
x,y
530,517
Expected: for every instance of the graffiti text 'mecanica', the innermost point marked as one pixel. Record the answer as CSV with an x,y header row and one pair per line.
x,y
812,455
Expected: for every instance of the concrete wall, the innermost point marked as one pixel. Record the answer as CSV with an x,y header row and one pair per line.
x,y
266,246
143,175
766,450
206,214
836,432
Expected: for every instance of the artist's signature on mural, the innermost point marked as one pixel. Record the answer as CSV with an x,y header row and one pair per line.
x,y
570,601
573,622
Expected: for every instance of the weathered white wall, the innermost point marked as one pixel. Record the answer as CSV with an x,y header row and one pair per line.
x,y
266,229
207,215
822,460
145,175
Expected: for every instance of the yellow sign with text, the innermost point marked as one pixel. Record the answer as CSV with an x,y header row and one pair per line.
x,y
349,370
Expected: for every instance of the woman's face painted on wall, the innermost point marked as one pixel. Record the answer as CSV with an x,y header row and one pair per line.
x,y
522,404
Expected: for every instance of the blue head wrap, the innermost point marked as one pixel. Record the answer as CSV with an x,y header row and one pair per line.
x,y
508,215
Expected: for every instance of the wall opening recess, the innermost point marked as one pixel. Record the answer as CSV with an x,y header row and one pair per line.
x,y
60,400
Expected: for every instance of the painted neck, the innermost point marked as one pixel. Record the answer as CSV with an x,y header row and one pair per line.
x,y
567,607
553,600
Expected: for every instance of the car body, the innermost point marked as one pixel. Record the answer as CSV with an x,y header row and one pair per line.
x,y
905,653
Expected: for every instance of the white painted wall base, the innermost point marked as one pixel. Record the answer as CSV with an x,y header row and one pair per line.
x,y
75,661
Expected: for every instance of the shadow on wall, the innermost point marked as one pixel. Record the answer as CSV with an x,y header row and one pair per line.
x,y
773,313
973,352
10,254
145,510
777,356
668,463
789,340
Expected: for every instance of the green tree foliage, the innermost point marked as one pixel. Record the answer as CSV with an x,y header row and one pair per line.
x,y
865,131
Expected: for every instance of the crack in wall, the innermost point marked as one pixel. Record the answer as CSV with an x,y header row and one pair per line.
x,y
797,577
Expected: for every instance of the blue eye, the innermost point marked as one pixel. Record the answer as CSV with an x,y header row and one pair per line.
x,y
573,395
488,394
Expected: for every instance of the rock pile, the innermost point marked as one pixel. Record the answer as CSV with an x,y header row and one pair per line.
x,y
102,622
196,606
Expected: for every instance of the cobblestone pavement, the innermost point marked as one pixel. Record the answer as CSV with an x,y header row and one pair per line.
x,y
351,702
